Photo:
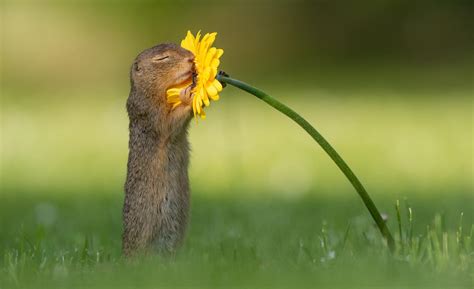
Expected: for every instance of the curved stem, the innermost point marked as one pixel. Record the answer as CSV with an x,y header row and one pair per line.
x,y
374,212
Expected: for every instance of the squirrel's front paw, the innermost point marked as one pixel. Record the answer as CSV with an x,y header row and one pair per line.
x,y
183,111
186,95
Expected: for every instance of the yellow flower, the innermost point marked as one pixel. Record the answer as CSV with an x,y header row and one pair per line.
x,y
206,86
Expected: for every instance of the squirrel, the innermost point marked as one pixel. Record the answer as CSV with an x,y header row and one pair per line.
x,y
156,205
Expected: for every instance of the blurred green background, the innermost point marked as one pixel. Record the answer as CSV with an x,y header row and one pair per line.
x,y
389,83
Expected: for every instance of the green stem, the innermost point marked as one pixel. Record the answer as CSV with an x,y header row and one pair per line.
x,y
326,147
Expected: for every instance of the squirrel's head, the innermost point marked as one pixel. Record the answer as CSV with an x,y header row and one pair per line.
x,y
158,68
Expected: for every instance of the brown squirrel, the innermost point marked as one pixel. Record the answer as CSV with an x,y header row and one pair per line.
x,y
156,205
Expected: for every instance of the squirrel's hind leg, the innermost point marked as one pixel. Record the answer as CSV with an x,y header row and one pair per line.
x,y
171,225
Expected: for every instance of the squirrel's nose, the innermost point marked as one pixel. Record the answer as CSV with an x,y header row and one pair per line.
x,y
191,59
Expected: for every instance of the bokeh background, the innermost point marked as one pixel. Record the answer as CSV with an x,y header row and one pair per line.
x,y
389,83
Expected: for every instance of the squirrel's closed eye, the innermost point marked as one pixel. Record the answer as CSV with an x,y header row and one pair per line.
x,y
160,58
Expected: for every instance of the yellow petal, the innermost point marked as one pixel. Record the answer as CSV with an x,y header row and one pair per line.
x,y
211,90
217,85
212,74
212,38
215,97
188,42
194,105
215,63
219,53
203,115
206,42
196,40
205,74
198,105
173,91
173,99
210,56
204,97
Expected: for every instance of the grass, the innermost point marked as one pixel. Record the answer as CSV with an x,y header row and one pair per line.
x,y
73,241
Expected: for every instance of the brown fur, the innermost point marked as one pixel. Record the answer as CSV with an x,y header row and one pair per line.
x,y
156,203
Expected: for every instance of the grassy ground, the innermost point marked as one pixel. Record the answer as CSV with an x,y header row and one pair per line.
x,y
74,242
269,210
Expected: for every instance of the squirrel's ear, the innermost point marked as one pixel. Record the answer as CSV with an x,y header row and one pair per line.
x,y
136,70
136,67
